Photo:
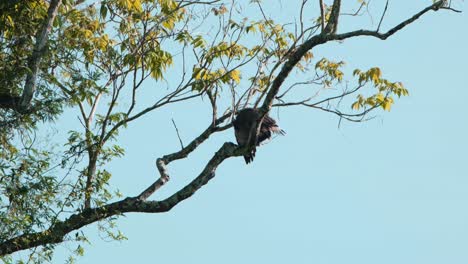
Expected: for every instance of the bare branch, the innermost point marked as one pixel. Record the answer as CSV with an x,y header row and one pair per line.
x,y
178,135
452,9
383,15
436,6
357,11
316,105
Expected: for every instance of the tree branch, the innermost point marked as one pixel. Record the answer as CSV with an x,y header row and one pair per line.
x,y
57,232
295,56
314,41
178,135
38,52
383,15
161,163
322,15
436,6
332,24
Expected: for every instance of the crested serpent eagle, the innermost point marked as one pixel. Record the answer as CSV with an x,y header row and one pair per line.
x,y
245,121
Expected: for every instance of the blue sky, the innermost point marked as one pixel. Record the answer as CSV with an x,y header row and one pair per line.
x,y
391,190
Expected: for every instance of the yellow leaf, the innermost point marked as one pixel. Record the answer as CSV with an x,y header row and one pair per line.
x,y
308,56
235,75
355,106
379,97
199,73
137,5
386,106
375,74
370,101
169,24
88,33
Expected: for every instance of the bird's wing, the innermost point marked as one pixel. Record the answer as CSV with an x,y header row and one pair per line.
x,y
268,122
263,135
241,137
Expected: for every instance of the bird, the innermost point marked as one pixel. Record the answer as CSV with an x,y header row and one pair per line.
x,y
245,121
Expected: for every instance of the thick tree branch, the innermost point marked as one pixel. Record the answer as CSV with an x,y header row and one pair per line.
x,y
332,24
56,233
38,52
161,163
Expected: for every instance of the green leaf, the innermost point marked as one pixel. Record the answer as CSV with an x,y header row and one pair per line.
x,y
103,11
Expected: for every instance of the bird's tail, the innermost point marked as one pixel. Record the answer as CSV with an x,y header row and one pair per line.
x,y
277,130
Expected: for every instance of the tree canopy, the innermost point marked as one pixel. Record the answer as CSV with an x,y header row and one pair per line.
x,y
101,58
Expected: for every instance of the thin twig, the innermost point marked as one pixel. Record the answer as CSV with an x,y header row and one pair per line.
x,y
178,135
357,11
383,15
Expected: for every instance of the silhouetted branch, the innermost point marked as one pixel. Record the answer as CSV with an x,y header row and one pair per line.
x,y
383,15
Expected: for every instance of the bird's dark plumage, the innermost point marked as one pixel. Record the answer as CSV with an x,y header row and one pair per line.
x,y
246,121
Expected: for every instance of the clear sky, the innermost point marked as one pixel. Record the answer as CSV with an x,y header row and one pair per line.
x,y
391,190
